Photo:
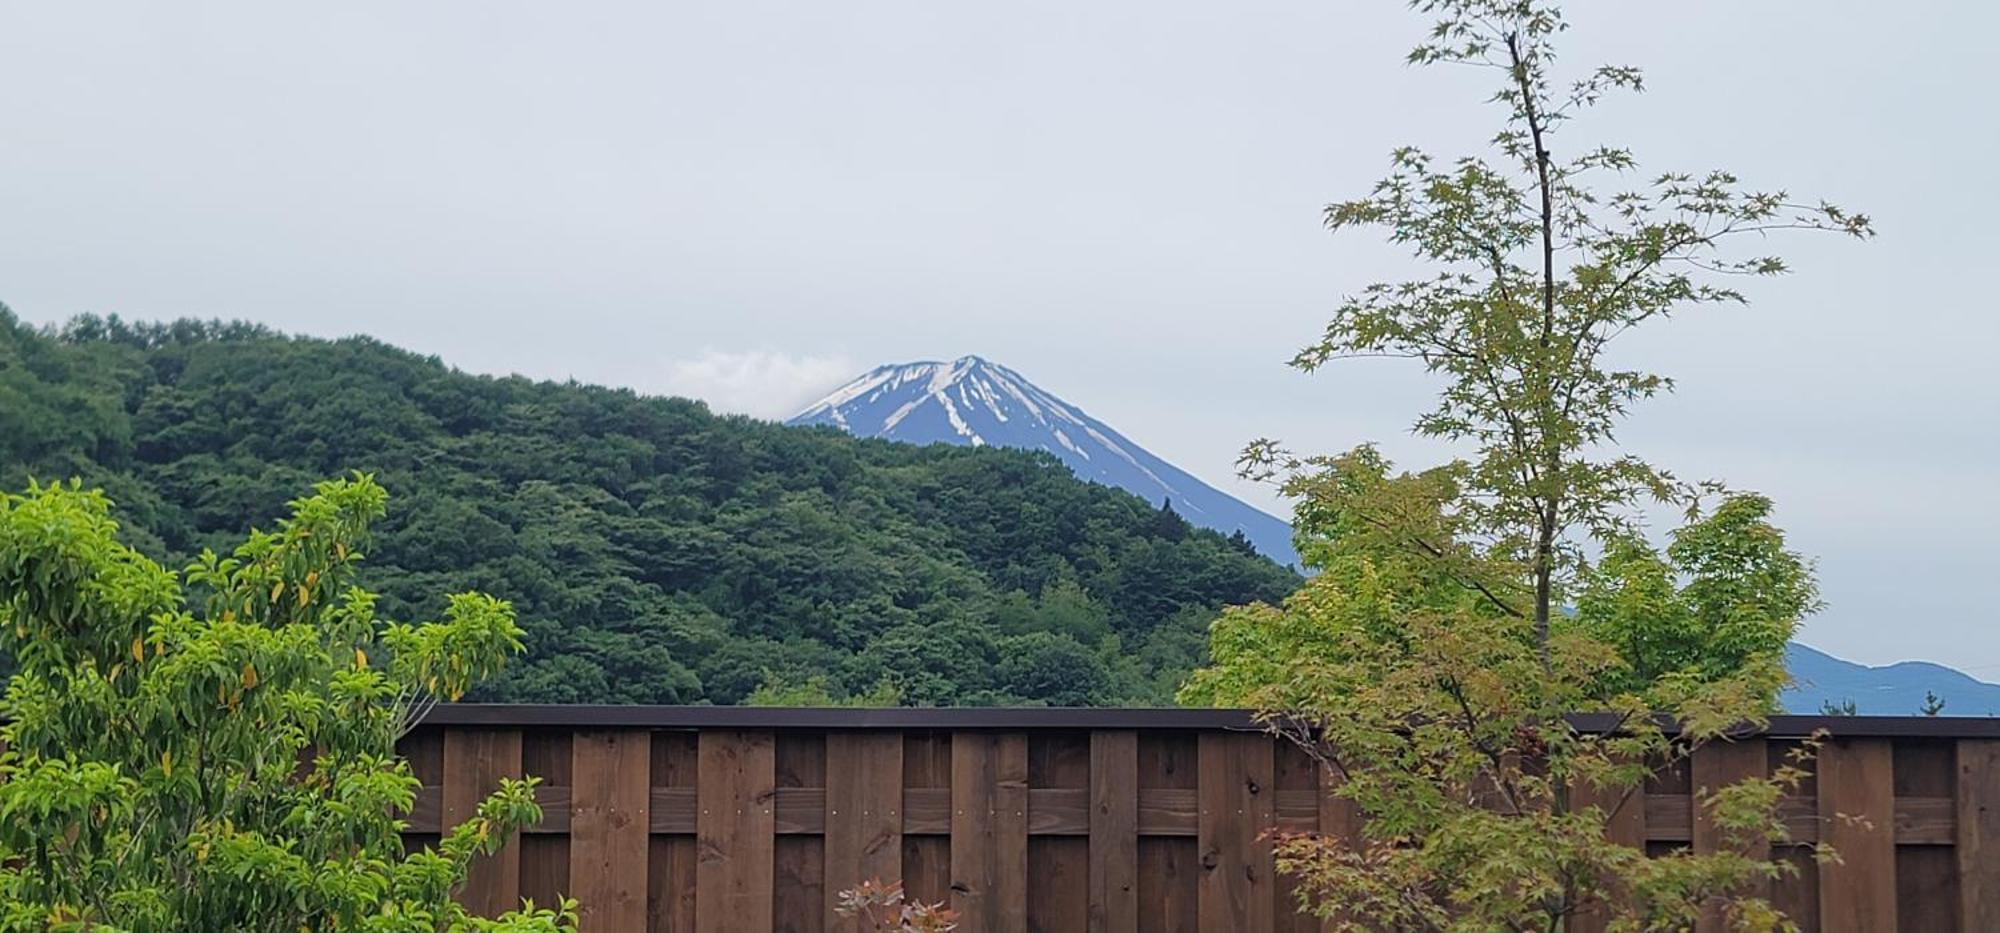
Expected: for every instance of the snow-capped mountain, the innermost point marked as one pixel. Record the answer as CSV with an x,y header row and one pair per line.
x,y
971,401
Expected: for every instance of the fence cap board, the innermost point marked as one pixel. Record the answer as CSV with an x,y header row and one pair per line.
x,y
756,717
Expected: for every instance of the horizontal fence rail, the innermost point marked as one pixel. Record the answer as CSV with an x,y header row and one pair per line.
x,y
734,819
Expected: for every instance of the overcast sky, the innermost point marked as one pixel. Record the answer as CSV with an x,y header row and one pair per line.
x,y
752,201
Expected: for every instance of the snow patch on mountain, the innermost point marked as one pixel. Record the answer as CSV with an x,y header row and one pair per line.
x,y
972,401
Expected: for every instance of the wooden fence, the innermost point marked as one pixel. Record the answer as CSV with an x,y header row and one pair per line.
x,y
719,819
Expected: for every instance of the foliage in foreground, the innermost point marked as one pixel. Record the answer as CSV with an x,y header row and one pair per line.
x,y
1462,611
654,552
885,908
221,754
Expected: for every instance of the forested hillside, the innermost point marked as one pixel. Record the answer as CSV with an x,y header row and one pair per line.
x,y
656,553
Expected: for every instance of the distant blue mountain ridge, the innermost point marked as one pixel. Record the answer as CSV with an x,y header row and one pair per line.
x,y
1889,690
970,401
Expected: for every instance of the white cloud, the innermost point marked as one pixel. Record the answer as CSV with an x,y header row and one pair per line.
x,y
760,383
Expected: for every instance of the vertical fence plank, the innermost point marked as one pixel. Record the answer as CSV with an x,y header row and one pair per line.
x,y
1624,825
610,816
1715,766
989,831
1857,782
736,830
423,748
1295,780
474,762
927,857
864,815
547,754
1927,894
1169,869
1114,832
1978,807
671,857
1339,819
1235,799
799,859
1059,885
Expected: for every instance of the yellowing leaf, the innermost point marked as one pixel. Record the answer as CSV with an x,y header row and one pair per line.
x,y
249,676
277,589
167,762
139,649
360,659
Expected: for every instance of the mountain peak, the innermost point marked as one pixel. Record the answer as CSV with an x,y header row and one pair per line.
x,y
976,402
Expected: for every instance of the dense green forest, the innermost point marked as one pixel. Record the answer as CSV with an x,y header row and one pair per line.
x,y
655,552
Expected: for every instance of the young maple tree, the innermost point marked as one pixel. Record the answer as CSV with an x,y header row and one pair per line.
x,y
230,767
1460,612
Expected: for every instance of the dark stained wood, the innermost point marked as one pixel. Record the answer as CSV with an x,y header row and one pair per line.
x,y
1168,811
544,868
927,858
670,877
864,816
989,831
1978,833
1296,787
1237,890
1926,888
1340,819
670,885
1036,718
1796,893
1625,825
1716,766
1058,811
1136,803
735,832
927,869
609,847
1059,884
608,844
926,811
1114,832
1059,799
798,903
423,748
474,762
1169,880
1856,806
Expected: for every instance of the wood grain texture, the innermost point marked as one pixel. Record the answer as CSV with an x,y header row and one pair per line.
x,y
1624,824
1169,883
1059,863
735,832
544,868
1926,888
1295,782
1716,766
1340,820
864,816
474,762
670,885
1856,808
799,898
1978,834
1114,832
608,843
989,831
1237,891
927,857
